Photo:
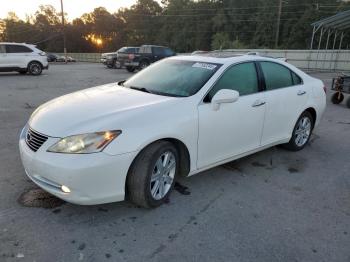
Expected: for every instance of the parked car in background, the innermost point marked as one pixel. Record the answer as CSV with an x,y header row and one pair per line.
x,y
63,59
199,52
178,117
111,60
52,57
147,55
22,58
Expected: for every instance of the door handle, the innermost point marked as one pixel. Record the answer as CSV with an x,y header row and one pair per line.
x,y
258,103
301,92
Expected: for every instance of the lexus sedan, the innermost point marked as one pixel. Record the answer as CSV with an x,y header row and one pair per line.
x,y
178,117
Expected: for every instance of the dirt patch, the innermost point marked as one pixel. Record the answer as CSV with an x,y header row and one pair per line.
x,y
39,198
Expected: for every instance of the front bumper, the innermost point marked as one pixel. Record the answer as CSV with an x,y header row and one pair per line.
x,y
92,178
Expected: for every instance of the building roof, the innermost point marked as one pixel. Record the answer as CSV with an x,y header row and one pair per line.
x,y
340,21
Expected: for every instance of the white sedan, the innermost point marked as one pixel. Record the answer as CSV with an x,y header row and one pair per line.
x,y
178,117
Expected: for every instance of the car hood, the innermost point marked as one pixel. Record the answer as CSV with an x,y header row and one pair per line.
x,y
95,109
107,54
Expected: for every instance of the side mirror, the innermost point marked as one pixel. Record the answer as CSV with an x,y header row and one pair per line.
x,y
224,96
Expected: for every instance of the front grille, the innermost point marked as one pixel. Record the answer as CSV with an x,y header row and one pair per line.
x,y
34,139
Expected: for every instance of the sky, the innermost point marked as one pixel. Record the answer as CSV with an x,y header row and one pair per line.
x,y
74,8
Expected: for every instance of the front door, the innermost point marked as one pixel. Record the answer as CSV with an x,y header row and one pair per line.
x,y
236,127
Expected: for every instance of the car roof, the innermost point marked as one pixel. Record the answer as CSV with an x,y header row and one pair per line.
x,y
224,58
13,43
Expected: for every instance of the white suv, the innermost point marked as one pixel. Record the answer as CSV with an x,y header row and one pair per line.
x,y
22,58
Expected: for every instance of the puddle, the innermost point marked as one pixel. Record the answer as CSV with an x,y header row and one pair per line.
x,y
39,198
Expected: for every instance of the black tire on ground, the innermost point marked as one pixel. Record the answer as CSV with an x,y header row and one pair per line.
x,y
139,175
291,145
22,72
35,68
109,66
348,102
337,98
117,64
144,64
130,69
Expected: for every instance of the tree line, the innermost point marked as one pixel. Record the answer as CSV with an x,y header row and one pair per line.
x,y
184,25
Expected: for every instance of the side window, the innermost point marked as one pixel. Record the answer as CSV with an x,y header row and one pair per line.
x,y
157,50
276,76
17,49
296,79
168,52
242,78
2,49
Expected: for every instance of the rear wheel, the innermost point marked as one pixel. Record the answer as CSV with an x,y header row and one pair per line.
x,y
337,98
301,132
130,69
35,68
151,177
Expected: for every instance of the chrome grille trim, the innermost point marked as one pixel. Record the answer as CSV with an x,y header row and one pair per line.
x,y
34,139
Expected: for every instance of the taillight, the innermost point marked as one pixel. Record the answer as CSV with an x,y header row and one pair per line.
x,y
325,89
131,56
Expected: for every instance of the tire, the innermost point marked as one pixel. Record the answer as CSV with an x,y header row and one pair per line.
x,y
348,102
337,98
144,64
35,68
158,158
109,66
300,136
117,64
130,69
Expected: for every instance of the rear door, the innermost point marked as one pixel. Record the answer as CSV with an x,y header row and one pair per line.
x,y
18,55
286,97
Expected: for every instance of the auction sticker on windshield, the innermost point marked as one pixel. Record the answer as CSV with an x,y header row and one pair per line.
x,y
205,66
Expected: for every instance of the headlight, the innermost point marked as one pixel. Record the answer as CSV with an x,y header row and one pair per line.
x,y
84,143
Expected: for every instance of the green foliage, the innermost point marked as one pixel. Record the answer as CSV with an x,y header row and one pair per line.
x,y
184,25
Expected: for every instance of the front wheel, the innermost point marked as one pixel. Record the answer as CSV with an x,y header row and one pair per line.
x,y
301,132
35,68
117,64
151,177
144,64
130,69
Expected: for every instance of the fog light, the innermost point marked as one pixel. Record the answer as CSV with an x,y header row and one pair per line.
x,y
65,189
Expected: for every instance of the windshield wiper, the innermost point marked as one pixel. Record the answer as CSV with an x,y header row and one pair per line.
x,y
142,89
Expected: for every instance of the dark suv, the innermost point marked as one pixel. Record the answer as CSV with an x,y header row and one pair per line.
x,y
111,60
147,54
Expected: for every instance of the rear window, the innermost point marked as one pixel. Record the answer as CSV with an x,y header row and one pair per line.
x,y
18,49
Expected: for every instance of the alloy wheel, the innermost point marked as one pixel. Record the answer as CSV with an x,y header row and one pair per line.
x,y
163,175
303,131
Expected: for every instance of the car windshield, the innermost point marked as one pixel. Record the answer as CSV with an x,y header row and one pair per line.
x,y
172,77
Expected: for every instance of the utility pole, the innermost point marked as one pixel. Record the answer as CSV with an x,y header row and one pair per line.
x,y
63,33
278,23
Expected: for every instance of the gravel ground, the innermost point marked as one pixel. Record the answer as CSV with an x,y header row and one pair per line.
x,y
271,206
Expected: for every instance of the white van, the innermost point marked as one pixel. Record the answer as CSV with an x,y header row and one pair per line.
x,y
22,58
